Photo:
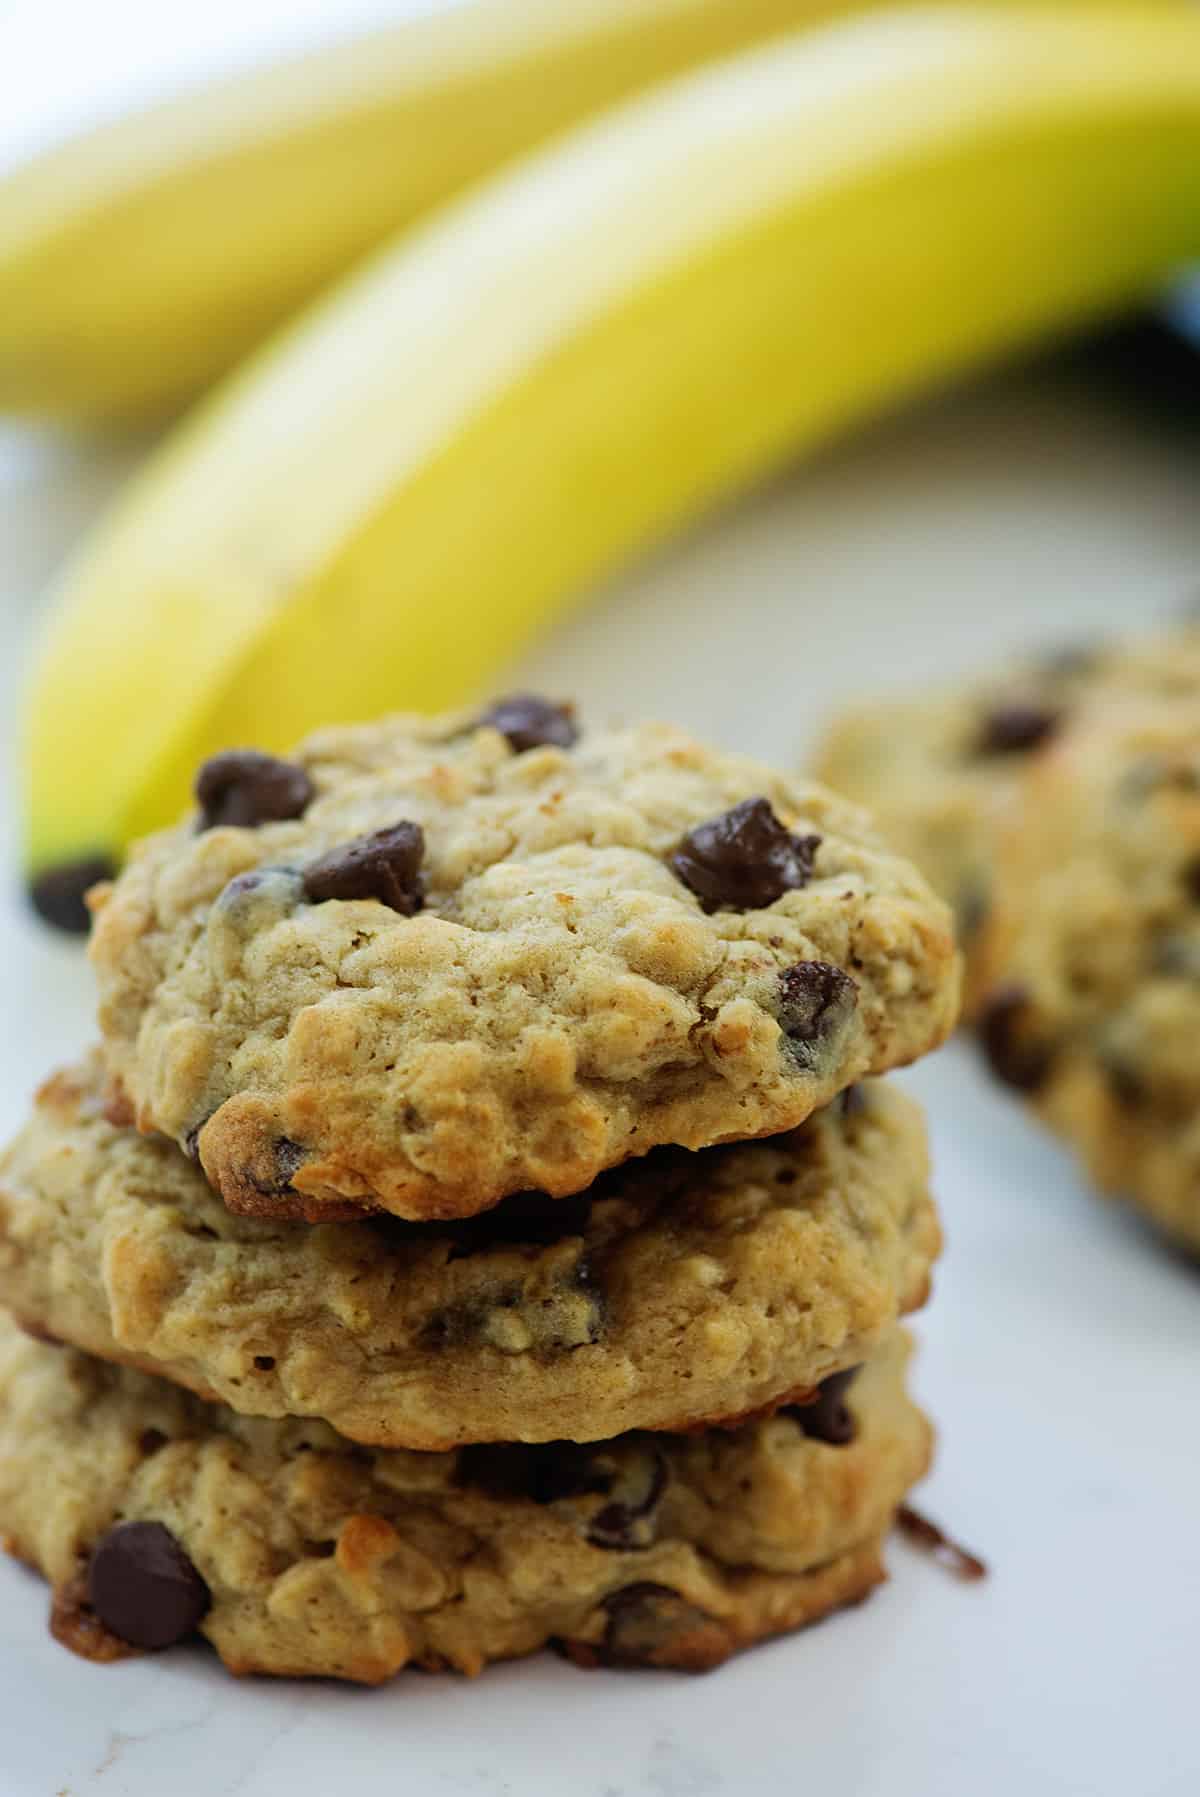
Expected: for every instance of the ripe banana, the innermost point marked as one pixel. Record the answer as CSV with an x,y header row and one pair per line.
x,y
143,259
575,359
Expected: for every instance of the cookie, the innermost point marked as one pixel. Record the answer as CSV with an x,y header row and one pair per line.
x,y
495,955
942,771
1092,956
153,1514
682,1288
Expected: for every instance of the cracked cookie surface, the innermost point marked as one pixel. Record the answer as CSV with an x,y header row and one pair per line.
x,y
151,1513
681,1289
490,959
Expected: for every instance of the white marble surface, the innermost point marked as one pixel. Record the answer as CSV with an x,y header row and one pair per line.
x,y
1061,1353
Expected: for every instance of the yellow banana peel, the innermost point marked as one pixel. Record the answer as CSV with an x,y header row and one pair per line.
x,y
589,352
144,258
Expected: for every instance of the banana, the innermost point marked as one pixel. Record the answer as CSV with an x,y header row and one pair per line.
x,y
144,258
379,510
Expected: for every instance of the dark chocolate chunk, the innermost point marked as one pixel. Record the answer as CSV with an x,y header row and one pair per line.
x,y
57,894
541,1471
744,859
816,1001
1013,1052
287,1158
1016,727
638,1480
144,1588
245,787
828,1417
1191,879
651,1625
529,722
385,865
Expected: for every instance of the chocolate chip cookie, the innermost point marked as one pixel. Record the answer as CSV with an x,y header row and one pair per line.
x,y
426,964
1092,956
681,1288
153,1515
943,771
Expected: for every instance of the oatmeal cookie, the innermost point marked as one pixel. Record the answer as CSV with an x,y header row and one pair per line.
x,y
428,963
1092,957
681,1288
153,1514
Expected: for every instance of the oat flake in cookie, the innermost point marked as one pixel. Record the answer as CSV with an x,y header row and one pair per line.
x,y
681,1289
495,956
151,1512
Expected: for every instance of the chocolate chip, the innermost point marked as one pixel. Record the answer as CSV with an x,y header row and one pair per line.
x,y
151,1440
264,1363
58,893
828,1418
287,1158
1012,1052
543,1471
744,859
1016,727
529,722
638,1480
245,787
651,1625
816,1001
1191,879
384,865
144,1588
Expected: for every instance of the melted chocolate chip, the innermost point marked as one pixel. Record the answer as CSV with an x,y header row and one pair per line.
x,y
58,894
144,1588
245,787
651,1625
151,1440
638,1482
923,1533
1016,727
287,1158
816,1001
1014,1055
744,859
828,1417
384,865
544,1472
529,722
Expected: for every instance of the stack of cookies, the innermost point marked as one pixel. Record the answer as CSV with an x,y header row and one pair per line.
x,y
482,1224
1057,805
